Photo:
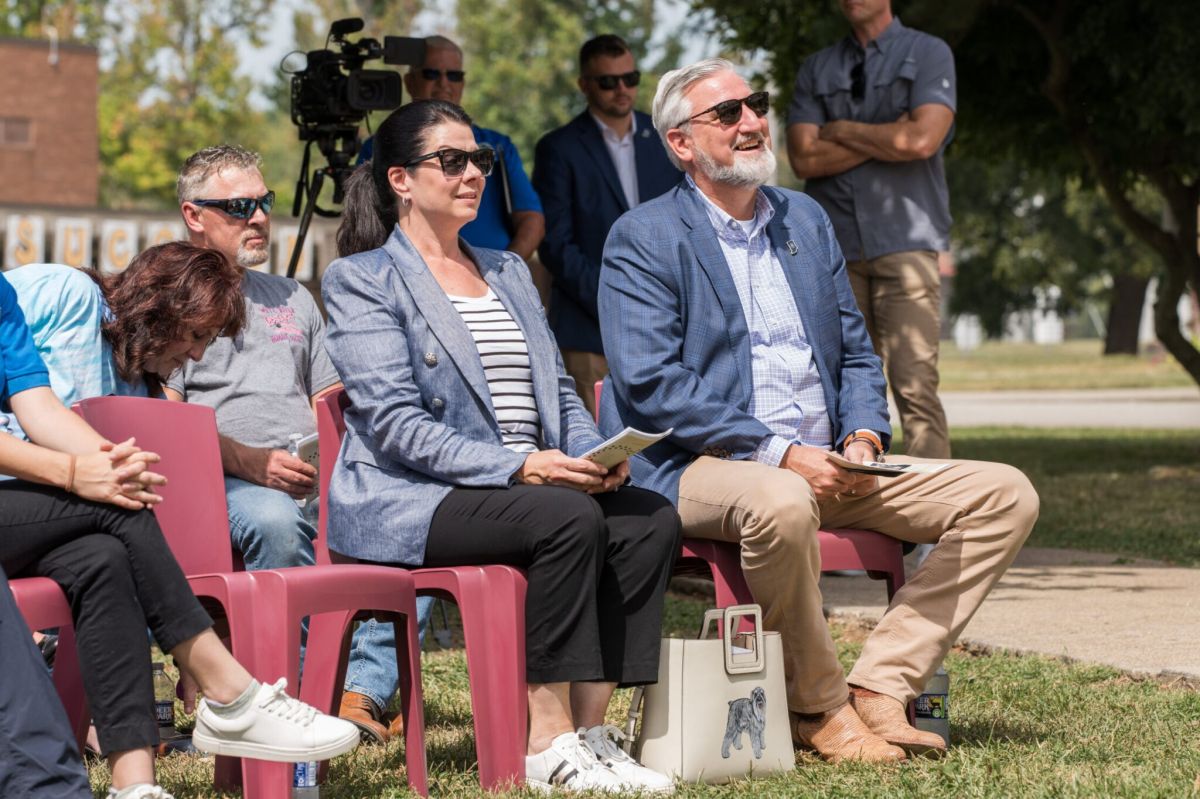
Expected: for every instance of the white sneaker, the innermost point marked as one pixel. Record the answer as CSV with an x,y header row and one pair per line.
x,y
274,726
602,740
141,792
571,766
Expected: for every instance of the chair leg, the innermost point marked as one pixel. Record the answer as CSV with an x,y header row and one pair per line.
x,y
408,657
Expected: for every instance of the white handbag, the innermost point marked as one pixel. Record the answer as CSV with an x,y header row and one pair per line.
x,y
719,709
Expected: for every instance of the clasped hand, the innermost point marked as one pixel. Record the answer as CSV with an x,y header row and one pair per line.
x,y
826,478
118,474
555,467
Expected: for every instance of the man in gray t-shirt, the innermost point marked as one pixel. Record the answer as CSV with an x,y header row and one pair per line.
x,y
263,382
869,120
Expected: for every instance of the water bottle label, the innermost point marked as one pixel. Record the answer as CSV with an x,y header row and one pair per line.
x,y
305,775
933,706
164,712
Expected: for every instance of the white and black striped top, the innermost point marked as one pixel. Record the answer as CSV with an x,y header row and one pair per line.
x,y
505,357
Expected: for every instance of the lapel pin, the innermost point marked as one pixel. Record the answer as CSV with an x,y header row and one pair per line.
x,y
792,249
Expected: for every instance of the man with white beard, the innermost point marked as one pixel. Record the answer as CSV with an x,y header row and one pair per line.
x,y
727,315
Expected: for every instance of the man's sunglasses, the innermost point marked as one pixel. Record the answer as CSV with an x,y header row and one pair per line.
x,y
858,83
609,82
454,161
241,207
452,75
730,111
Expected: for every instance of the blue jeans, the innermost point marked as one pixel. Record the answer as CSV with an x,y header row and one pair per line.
x,y
372,667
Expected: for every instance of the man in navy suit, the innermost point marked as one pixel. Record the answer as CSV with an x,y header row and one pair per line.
x,y
587,173
728,316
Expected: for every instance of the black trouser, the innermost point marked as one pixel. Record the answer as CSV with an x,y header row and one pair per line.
x,y
38,759
119,577
597,565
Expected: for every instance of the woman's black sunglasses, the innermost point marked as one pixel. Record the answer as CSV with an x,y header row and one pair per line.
x,y
609,82
454,161
730,111
241,207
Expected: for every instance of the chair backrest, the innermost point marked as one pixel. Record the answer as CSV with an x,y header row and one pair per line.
x,y
331,427
193,515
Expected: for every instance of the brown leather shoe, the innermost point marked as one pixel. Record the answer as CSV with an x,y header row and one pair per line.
x,y
839,734
886,718
361,711
396,726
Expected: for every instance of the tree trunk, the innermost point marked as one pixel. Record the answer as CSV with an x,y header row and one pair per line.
x,y
1166,311
1125,314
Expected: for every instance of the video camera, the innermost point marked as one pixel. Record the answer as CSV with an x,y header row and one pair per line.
x,y
331,97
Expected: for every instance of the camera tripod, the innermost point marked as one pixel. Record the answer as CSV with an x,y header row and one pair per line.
x,y
339,145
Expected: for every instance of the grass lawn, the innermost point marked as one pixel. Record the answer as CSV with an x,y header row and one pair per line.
x,y
1021,727
1079,364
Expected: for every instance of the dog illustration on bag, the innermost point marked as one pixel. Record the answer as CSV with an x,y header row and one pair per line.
x,y
746,715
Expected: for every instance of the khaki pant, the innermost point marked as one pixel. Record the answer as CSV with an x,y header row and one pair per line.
x,y
977,513
899,295
587,368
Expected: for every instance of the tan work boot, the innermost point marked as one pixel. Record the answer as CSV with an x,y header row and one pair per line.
x,y
839,734
396,726
361,711
886,718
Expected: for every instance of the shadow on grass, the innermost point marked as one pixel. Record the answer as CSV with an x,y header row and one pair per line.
x,y
986,733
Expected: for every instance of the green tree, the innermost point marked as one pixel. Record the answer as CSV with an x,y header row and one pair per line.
x,y
1065,87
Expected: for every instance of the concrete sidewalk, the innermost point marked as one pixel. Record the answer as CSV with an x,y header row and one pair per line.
x,y
1164,408
1136,615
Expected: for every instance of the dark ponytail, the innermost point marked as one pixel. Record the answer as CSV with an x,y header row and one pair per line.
x,y
369,212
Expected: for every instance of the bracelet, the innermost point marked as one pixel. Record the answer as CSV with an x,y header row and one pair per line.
x,y
867,436
70,484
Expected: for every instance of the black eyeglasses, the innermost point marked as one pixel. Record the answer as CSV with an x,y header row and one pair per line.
x,y
454,161
241,207
730,111
452,75
609,82
858,82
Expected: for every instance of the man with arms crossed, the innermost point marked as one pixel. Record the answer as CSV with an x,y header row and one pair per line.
x,y
588,172
869,120
727,315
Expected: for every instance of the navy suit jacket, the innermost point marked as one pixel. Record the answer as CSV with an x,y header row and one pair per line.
x,y
421,420
581,195
678,344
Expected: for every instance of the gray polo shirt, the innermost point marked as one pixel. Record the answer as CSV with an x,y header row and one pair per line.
x,y
881,207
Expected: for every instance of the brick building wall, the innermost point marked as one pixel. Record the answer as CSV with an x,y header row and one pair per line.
x,y
49,134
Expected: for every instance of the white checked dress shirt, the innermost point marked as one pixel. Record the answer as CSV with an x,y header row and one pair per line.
x,y
786,394
623,157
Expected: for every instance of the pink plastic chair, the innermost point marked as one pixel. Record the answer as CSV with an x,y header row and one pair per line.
x,y
264,608
881,556
43,604
491,601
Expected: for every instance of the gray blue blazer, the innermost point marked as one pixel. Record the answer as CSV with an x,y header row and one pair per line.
x,y
422,420
678,345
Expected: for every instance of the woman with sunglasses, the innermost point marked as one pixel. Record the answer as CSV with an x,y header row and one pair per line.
x,y
73,514
464,438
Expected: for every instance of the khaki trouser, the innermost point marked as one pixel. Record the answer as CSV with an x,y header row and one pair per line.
x,y
587,368
977,513
899,295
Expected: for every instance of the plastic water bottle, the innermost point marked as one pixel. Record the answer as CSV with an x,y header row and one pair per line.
x,y
304,781
294,451
164,702
933,706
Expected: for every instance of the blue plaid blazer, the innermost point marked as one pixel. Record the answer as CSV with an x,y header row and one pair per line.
x,y
422,420
677,342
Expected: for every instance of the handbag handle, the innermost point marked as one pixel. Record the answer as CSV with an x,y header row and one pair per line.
x,y
729,617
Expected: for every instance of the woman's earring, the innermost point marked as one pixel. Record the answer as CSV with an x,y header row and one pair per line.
x,y
406,201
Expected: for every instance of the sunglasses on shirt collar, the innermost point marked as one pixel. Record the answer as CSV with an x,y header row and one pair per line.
x,y
240,207
858,82
730,111
452,75
454,161
609,82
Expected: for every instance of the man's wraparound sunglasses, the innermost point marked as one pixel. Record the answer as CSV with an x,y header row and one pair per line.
x,y
454,161
609,82
730,111
452,75
241,207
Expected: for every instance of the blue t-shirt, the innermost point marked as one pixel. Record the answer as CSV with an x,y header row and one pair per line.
x,y
21,367
488,228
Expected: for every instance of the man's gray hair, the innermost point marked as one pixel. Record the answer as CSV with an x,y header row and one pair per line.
x,y
671,109
439,42
210,161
